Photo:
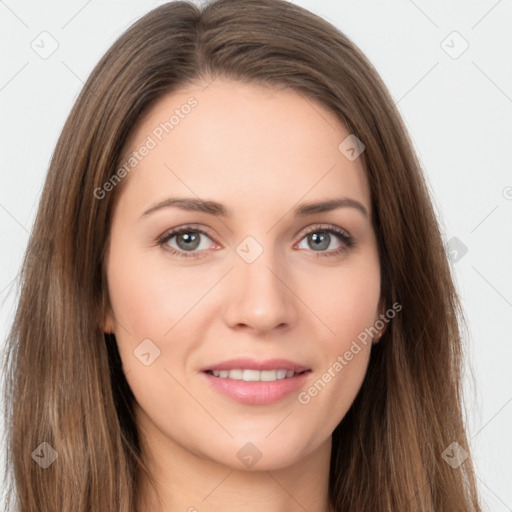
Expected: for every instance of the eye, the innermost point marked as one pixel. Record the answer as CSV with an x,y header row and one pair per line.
x,y
187,239
320,238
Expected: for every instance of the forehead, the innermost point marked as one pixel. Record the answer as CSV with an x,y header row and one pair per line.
x,y
245,144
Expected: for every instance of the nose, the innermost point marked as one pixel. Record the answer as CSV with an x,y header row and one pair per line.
x,y
260,296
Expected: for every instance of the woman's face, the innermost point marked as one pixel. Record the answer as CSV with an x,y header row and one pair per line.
x,y
253,275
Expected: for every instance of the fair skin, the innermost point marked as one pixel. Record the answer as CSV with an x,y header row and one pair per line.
x,y
261,153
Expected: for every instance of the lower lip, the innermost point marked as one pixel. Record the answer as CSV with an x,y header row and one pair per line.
x,y
257,393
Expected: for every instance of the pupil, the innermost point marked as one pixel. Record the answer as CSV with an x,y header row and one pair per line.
x,y
187,238
322,239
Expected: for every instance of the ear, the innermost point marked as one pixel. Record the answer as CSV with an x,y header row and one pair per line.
x,y
105,315
379,321
108,324
378,336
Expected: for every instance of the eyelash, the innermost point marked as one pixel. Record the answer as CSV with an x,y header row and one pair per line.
x,y
347,241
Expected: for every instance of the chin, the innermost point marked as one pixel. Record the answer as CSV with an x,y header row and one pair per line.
x,y
260,454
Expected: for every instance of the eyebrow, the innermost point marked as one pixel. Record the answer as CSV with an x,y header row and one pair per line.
x,y
219,210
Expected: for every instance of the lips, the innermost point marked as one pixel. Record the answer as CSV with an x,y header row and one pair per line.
x,y
254,382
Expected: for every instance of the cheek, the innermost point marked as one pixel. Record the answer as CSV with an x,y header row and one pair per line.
x,y
345,300
151,300
148,302
149,297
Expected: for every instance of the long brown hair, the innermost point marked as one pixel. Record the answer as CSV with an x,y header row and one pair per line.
x,y
64,385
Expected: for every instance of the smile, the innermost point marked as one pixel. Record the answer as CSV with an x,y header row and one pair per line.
x,y
253,375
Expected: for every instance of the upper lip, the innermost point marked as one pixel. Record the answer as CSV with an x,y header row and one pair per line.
x,y
254,364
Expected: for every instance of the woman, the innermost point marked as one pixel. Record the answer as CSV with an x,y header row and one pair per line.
x,y
235,295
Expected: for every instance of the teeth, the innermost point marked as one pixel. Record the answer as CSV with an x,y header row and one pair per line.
x,y
254,375
251,375
234,374
268,375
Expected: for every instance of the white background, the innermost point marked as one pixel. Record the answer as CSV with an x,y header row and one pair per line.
x,y
458,111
